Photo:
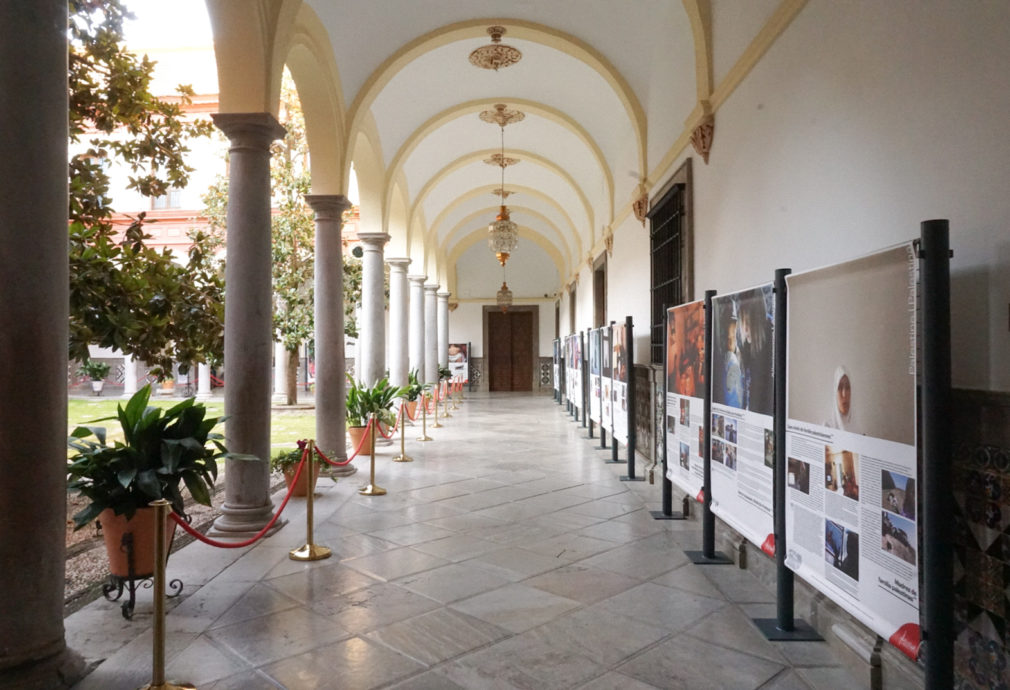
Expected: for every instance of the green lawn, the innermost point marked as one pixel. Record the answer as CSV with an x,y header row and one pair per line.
x,y
285,427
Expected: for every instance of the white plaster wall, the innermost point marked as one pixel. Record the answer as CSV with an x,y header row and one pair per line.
x,y
628,275
864,119
466,324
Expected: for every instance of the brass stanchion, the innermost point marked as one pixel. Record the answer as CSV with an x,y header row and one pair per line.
x,y
436,425
161,508
310,551
424,421
455,398
403,457
445,404
372,489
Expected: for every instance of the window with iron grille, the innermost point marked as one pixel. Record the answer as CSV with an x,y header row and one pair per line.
x,y
670,247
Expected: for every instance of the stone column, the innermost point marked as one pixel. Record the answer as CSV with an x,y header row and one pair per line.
x,y
331,402
33,340
398,313
129,376
280,374
430,334
416,359
443,328
204,385
372,332
248,328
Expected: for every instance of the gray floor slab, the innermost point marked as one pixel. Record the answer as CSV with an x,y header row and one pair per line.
x,y
495,561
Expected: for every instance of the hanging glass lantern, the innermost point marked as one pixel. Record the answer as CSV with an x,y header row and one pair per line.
x,y
504,297
502,236
496,55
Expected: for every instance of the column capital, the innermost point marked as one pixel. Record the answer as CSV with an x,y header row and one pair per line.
x,y
373,241
249,130
398,264
444,294
432,288
419,279
328,206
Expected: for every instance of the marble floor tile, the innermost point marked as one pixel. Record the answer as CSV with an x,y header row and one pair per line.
x,y
740,586
466,522
582,583
259,600
318,581
515,563
372,607
438,635
408,535
830,678
248,680
616,681
452,582
432,680
569,547
690,578
687,663
353,664
730,627
389,565
203,662
277,635
458,547
515,607
638,561
603,636
661,606
520,663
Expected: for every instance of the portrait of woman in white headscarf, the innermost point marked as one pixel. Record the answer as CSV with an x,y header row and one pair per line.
x,y
840,416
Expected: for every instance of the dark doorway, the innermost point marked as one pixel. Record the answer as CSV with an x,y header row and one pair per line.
x,y
600,291
510,341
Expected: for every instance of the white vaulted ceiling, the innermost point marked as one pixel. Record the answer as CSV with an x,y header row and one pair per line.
x,y
606,86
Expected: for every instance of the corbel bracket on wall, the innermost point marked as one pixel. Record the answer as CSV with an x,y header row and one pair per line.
x,y
703,132
641,203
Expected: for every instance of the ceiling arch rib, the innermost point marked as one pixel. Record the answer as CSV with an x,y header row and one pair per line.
x,y
530,235
445,187
314,71
437,140
522,216
591,92
473,208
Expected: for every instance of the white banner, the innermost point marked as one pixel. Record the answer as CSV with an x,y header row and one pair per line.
x,y
577,371
851,511
743,441
595,383
621,370
685,408
606,381
557,361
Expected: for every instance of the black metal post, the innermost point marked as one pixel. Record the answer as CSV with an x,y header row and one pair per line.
x,y
667,507
783,627
708,555
937,527
629,343
603,434
588,378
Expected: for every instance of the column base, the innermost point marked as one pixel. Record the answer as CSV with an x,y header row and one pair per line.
x,y
242,522
203,397
61,670
345,471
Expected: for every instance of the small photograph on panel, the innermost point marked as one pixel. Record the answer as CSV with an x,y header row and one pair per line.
x,y
897,494
898,536
799,475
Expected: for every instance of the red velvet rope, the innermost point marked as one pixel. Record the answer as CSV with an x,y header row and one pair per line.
x,y
259,535
361,445
396,426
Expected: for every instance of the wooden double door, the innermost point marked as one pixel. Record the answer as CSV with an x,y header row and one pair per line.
x,y
511,338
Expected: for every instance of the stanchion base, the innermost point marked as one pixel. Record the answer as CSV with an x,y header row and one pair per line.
x,y
372,490
169,686
446,415
403,458
436,426
801,632
626,478
660,515
309,552
615,462
699,558
425,438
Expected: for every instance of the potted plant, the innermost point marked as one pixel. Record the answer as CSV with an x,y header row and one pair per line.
x,y
362,401
412,391
286,462
96,371
161,450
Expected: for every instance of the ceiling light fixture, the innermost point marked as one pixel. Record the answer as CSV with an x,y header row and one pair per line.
x,y
496,55
502,233
504,297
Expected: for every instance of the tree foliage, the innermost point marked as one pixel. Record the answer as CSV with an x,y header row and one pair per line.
x,y
123,293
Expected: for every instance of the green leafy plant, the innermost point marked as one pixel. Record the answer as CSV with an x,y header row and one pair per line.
x,y
96,371
444,373
289,459
363,401
414,387
162,450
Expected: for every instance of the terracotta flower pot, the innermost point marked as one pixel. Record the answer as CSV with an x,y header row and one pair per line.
x,y
412,408
301,487
357,433
141,526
